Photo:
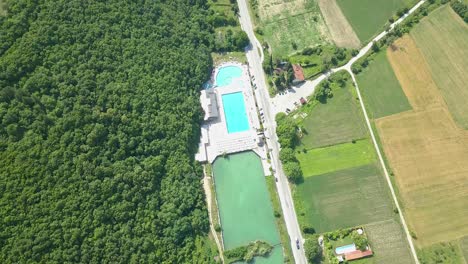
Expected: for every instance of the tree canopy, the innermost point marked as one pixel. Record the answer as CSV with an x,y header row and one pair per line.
x,y
313,250
100,113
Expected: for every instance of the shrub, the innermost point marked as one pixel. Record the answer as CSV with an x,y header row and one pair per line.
x,y
277,214
293,171
247,253
287,155
313,250
360,241
308,230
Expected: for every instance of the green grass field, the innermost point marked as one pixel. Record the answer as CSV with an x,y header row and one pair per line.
x,y
244,203
323,160
302,30
338,121
344,198
442,38
380,88
222,7
288,26
447,253
368,17
388,241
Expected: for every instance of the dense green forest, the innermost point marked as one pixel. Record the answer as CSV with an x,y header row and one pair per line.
x,y
100,113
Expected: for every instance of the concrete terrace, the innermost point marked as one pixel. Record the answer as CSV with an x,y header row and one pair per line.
x,y
215,140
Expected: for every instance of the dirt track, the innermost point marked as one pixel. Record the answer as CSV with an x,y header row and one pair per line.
x,y
427,152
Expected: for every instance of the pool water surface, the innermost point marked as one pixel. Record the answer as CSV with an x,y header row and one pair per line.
x,y
234,111
226,74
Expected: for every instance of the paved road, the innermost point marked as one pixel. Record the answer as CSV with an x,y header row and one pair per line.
x,y
254,58
270,107
281,102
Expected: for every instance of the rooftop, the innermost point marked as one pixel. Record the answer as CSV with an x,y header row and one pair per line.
x,y
298,72
357,254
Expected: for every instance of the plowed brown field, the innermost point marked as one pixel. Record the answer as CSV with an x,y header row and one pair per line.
x,y
427,151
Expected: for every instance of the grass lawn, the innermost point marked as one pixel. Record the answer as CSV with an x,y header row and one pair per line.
x,y
341,242
442,37
341,199
313,64
339,120
323,160
301,29
289,26
388,241
219,58
368,17
222,7
447,253
380,88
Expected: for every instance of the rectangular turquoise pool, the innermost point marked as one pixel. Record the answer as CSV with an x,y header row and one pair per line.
x,y
235,112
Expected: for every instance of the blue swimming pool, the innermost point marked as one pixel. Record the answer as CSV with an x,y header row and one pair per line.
x,y
235,113
226,74
345,249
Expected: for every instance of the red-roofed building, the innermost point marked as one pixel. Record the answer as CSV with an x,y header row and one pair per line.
x,y
298,74
357,254
303,101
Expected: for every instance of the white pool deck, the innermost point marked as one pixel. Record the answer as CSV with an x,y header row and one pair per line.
x,y
215,140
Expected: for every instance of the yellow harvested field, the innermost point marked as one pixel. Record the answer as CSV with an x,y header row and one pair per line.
x,y
414,76
340,30
427,151
442,38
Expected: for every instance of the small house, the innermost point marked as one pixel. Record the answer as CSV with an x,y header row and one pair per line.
x,y
298,74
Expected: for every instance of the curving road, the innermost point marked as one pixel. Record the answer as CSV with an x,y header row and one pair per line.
x,y
271,106
281,102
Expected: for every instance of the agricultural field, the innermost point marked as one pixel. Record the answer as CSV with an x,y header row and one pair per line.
x,y
343,198
368,17
340,30
339,120
427,152
289,26
442,38
337,157
381,89
388,241
343,183
449,253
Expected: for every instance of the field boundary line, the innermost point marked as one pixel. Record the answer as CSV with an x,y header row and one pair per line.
x,y
387,177
380,222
